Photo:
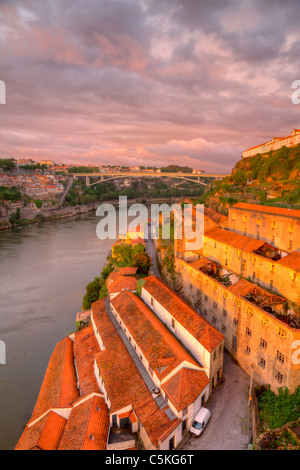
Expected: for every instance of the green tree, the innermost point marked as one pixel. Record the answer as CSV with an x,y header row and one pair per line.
x,y
141,261
92,293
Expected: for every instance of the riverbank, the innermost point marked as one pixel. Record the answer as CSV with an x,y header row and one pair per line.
x,y
71,211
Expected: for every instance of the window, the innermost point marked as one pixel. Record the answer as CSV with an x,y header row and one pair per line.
x,y
184,426
253,276
234,343
204,313
280,357
282,333
215,355
235,322
172,443
263,344
215,305
226,262
224,313
262,363
223,329
152,301
206,298
279,377
248,332
271,284
173,323
214,320
248,350
250,312
291,245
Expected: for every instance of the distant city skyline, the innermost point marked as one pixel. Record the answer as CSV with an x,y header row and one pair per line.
x,y
146,82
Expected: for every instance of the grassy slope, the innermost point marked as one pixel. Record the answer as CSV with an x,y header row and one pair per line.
x,y
272,179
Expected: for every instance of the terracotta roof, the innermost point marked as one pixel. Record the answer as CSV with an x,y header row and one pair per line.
x,y
59,387
197,326
85,346
128,271
121,283
116,367
268,209
242,287
200,263
214,215
185,387
234,239
87,427
45,434
291,261
153,338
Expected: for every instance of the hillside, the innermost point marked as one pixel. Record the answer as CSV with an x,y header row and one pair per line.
x,y
272,179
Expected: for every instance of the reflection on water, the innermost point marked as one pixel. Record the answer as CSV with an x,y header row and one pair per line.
x,y
44,270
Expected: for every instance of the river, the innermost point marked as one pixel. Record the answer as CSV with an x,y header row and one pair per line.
x,y
44,270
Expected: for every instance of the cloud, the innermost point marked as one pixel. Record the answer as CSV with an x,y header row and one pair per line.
x,y
148,81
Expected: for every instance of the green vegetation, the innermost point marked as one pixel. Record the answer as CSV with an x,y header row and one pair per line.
x,y
92,293
9,194
271,179
124,255
277,410
34,166
176,169
82,169
38,203
82,194
7,163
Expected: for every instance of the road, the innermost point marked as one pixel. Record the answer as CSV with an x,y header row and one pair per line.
x,y
230,424
152,253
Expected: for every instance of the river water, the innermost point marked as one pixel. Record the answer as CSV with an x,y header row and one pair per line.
x,y
44,270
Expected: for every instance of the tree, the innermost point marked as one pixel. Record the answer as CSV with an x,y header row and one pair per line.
x,y
92,293
142,261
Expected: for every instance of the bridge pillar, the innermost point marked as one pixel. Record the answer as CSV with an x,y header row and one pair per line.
x,y
87,180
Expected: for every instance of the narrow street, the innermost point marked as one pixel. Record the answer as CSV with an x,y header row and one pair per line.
x,y
230,424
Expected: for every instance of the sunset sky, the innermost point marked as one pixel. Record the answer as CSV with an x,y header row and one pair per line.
x,y
147,82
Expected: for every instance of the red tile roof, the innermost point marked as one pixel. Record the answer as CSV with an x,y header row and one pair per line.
x,y
151,335
45,434
291,261
85,346
87,427
268,209
116,367
197,326
185,387
59,387
234,239
121,283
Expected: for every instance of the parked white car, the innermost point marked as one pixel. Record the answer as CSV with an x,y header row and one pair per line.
x,y
200,422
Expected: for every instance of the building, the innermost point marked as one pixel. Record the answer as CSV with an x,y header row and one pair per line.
x,y
197,335
258,331
248,288
122,381
70,413
274,144
275,225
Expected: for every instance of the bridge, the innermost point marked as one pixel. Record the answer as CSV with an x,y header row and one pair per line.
x,y
194,177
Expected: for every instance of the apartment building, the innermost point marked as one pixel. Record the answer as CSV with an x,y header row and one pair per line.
x,y
277,226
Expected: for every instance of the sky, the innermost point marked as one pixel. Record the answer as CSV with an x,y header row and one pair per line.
x,y
147,82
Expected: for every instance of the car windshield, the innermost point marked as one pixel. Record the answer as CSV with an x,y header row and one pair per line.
x,y
197,425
